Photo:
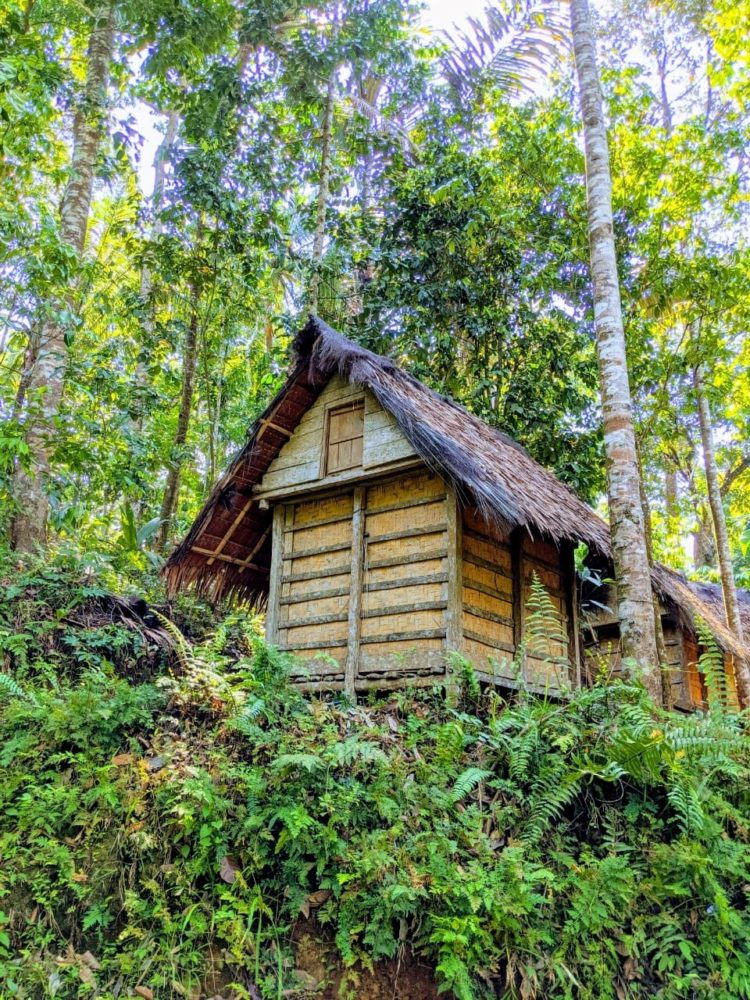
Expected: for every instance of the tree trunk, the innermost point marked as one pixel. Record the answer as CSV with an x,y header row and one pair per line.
x,y
177,458
43,383
635,602
728,587
323,187
157,196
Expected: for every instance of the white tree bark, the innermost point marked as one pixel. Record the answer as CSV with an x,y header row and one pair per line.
x,y
635,607
44,381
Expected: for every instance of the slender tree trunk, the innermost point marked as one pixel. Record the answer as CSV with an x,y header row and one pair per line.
x,y
728,587
177,458
157,196
661,648
323,189
42,384
635,603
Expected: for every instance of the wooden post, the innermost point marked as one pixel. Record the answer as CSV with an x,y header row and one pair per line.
x,y
355,592
516,568
574,650
274,586
454,633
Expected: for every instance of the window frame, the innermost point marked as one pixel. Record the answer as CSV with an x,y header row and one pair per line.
x,y
351,405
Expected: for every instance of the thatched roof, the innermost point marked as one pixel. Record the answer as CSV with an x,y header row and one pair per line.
x,y
689,601
227,550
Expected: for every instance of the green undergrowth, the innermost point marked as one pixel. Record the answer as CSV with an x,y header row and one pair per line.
x,y
172,815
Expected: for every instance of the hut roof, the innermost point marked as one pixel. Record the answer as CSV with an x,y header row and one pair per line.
x,y
693,600
227,550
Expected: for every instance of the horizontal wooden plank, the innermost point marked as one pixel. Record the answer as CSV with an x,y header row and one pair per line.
x,y
223,557
313,595
399,609
392,536
406,581
306,525
409,558
425,633
317,574
488,615
417,501
506,647
335,616
318,550
288,647
482,588
475,560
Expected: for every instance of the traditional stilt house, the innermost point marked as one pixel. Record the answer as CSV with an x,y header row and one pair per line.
x,y
383,527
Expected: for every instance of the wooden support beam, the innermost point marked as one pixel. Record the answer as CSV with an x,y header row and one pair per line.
x,y
242,563
274,586
355,594
516,562
231,530
574,648
275,427
454,632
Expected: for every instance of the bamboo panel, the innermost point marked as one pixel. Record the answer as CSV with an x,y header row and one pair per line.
x,y
320,634
322,564
405,622
425,516
424,656
405,571
377,600
539,673
485,657
550,577
412,487
494,553
290,613
405,548
320,536
296,590
316,663
472,521
494,631
482,601
544,551
314,511
487,577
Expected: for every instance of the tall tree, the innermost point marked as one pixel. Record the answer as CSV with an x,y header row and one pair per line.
x,y
46,362
728,586
632,571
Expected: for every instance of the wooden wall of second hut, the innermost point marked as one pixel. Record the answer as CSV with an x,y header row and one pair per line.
x,y
497,572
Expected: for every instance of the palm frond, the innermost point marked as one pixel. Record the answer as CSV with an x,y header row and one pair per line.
x,y
506,48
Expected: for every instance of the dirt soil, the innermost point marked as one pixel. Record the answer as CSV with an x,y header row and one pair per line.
x,y
405,979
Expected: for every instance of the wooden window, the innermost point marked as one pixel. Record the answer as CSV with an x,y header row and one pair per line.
x,y
346,426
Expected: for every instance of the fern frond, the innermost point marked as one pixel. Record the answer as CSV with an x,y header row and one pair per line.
x,y
467,781
12,689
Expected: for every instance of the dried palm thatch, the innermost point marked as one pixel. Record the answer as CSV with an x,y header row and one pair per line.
x,y
703,600
228,549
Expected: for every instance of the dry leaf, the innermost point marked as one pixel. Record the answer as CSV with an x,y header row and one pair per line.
x,y
121,759
88,959
316,899
228,869
80,877
145,992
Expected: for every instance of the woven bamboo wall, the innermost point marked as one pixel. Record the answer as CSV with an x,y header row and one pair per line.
x,y
496,575
363,583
